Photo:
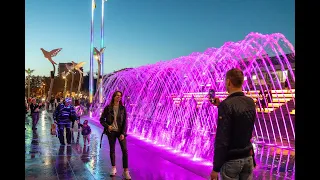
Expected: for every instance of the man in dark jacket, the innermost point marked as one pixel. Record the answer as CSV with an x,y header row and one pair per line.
x,y
233,151
64,115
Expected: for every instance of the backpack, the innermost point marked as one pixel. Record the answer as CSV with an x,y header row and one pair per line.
x,y
53,129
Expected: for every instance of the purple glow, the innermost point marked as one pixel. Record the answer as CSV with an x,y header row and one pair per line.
x,y
167,101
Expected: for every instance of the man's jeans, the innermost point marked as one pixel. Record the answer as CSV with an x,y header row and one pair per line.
x,y
61,133
35,119
237,169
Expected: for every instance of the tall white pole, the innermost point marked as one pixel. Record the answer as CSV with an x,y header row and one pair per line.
x,y
91,54
102,54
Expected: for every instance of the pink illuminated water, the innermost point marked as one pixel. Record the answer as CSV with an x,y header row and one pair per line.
x,y
167,101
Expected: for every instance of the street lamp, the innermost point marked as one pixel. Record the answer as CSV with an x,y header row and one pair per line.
x,y
97,56
77,67
71,70
49,56
64,76
29,72
43,87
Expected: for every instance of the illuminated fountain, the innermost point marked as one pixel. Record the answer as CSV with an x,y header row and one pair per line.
x,y
167,101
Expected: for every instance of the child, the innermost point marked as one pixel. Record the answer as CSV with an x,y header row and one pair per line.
x,y
86,131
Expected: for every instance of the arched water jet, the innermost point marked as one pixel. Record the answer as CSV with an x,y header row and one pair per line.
x,y
167,102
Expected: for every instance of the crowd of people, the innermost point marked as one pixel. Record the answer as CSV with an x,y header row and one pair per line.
x,y
66,114
34,105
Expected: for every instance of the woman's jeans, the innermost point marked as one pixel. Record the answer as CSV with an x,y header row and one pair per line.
x,y
112,144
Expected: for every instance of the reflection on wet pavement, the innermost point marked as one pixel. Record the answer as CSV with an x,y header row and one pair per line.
x,y
275,163
46,159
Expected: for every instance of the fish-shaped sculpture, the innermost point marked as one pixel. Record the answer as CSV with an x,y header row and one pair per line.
x,y
51,54
77,66
98,53
29,71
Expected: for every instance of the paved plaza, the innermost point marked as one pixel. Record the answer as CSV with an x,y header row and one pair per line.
x,y
46,159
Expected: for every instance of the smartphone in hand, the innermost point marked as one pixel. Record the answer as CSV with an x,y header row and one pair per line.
x,y
212,95
212,98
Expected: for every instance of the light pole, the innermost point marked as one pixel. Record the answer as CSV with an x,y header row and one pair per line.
x,y
93,6
49,56
71,70
64,76
43,90
77,67
102,41
97,56
72,80
80,82
29,72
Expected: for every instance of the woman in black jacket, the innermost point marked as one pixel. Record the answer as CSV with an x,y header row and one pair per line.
x,y
114,121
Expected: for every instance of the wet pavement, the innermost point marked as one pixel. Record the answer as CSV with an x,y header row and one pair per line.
x,y
46,159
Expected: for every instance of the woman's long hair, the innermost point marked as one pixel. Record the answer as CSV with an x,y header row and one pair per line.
x,y
112,99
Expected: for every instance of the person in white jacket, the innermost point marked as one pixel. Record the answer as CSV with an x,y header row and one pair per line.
x,y
79,113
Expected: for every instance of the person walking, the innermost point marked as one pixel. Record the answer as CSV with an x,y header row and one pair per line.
x,y
35,108
114,121
63,116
